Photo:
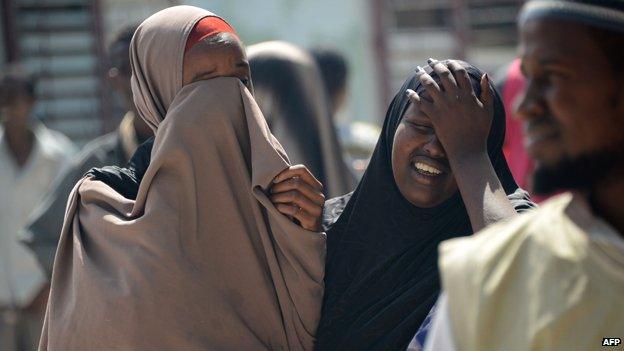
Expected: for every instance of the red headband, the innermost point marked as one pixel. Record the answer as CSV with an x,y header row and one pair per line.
x,y
206,27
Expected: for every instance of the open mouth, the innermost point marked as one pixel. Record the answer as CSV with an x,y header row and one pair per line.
x,y
426,169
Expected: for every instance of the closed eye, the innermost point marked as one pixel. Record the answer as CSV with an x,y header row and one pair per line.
x,y
420,127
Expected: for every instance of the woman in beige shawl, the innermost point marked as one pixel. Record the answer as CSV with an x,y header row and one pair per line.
x,y
290,93
201,259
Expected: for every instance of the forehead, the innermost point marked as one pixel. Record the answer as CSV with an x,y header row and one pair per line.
x,y
120,51
217,51
412,112
219,41
551,39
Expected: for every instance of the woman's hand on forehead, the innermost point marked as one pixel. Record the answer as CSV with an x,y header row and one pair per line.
x,y
460,119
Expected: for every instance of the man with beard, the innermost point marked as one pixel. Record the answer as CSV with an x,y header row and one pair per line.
x,y
552,279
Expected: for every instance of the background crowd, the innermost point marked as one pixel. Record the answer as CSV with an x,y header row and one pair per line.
x,y
66,107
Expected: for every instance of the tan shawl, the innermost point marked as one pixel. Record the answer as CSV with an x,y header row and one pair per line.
x,y
201,260
302,84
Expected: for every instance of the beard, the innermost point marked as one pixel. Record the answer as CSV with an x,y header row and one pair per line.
x,y
582,173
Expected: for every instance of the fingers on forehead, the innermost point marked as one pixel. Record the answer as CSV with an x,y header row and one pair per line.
x,y
461,74
441,69
427,81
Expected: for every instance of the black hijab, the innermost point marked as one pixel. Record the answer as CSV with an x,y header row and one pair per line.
x,y
381,272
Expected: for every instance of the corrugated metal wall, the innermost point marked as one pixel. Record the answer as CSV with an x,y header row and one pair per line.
x,y
480,31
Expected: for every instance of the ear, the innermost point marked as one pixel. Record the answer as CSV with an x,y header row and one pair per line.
x,y
116,79
111,75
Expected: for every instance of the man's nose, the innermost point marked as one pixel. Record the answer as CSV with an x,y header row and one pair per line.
x,y
529,103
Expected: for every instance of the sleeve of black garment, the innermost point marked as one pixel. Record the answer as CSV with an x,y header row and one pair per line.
x,y
126,180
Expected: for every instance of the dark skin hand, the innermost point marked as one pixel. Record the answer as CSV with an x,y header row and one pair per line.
x,y
297,194
462,122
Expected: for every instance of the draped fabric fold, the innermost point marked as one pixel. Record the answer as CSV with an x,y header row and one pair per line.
x,y
201,260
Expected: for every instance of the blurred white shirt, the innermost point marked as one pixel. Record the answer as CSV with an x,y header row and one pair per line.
x,y
21,189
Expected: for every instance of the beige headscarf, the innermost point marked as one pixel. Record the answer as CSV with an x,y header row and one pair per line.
x,y
201,260
289,90
156,58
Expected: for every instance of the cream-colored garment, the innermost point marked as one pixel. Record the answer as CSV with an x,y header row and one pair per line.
x,y
201,260
21,189
302,83
552,279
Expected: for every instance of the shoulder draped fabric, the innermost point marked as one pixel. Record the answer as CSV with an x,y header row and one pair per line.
x,y
289,89
201,260
381,275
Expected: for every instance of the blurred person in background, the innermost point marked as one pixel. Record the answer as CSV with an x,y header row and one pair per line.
x,y
357,138
438,172
115,148
289,90
31,157
335,73
552,279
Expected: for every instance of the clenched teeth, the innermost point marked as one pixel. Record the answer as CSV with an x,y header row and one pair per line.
x,y
427,169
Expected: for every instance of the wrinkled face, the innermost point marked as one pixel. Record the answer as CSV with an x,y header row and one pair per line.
x,y
419,164
223,57
572,106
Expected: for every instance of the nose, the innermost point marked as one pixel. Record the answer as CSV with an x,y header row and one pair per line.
x,y
529,103
433,148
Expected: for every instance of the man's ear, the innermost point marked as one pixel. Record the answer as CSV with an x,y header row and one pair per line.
x,y
114,78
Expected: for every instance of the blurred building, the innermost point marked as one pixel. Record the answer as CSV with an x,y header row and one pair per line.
x,y
482,32
344,24
64,41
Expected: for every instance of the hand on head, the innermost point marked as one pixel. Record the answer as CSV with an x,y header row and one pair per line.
x,y
461,120
297,194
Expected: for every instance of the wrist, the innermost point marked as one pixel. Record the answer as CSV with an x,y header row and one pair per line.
x,y
469,159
